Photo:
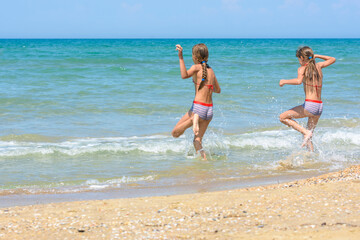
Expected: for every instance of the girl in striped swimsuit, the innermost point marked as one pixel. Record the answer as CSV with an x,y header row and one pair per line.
x,y
205,82
310,74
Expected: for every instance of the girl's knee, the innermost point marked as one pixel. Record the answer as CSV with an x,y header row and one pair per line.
x,y
284,117
175,133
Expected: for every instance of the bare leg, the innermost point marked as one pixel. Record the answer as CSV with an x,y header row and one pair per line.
x,y
184,123
307,138
203,124
196,124
297,112
311,125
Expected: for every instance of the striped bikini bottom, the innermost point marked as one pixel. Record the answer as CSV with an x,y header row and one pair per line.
x,y
204,110
313,106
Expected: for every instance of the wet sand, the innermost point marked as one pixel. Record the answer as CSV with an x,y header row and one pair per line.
x,y
324,207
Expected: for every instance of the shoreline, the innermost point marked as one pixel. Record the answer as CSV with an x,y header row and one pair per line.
x,y
323,207
24,199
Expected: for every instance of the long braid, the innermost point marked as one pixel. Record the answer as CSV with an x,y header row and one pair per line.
x,y
201,53
204,74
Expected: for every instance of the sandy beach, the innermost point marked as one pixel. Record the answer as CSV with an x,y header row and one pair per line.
x,y
324,207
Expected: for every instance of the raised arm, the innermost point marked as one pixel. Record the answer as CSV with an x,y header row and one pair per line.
x,y
184,73
328,60
295,81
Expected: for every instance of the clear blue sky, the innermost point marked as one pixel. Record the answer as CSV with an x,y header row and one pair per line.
x,y
180,19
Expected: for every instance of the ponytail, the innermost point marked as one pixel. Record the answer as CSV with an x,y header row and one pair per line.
x,y
311,71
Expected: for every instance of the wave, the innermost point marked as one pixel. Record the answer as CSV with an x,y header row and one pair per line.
x,y
81,146
133,162
263,140
73,187
98,184
341,137
30,144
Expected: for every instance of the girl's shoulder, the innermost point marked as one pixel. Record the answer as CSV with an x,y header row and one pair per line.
x,y
301,69
197,67
210,70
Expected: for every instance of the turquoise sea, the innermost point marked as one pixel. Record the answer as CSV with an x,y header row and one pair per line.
x,y
93,118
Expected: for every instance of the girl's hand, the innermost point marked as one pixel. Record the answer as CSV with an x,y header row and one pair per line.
x,y
282,82
180,49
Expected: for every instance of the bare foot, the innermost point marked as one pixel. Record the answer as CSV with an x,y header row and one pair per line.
x,y
203,154
310,145
307,137
196,124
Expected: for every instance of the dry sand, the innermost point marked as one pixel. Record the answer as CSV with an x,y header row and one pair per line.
x,y
325,207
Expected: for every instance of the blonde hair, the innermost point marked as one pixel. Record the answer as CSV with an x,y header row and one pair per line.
x,y
311,72
200,52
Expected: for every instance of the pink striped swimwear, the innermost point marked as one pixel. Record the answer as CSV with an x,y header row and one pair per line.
x,y
204,110
314,107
